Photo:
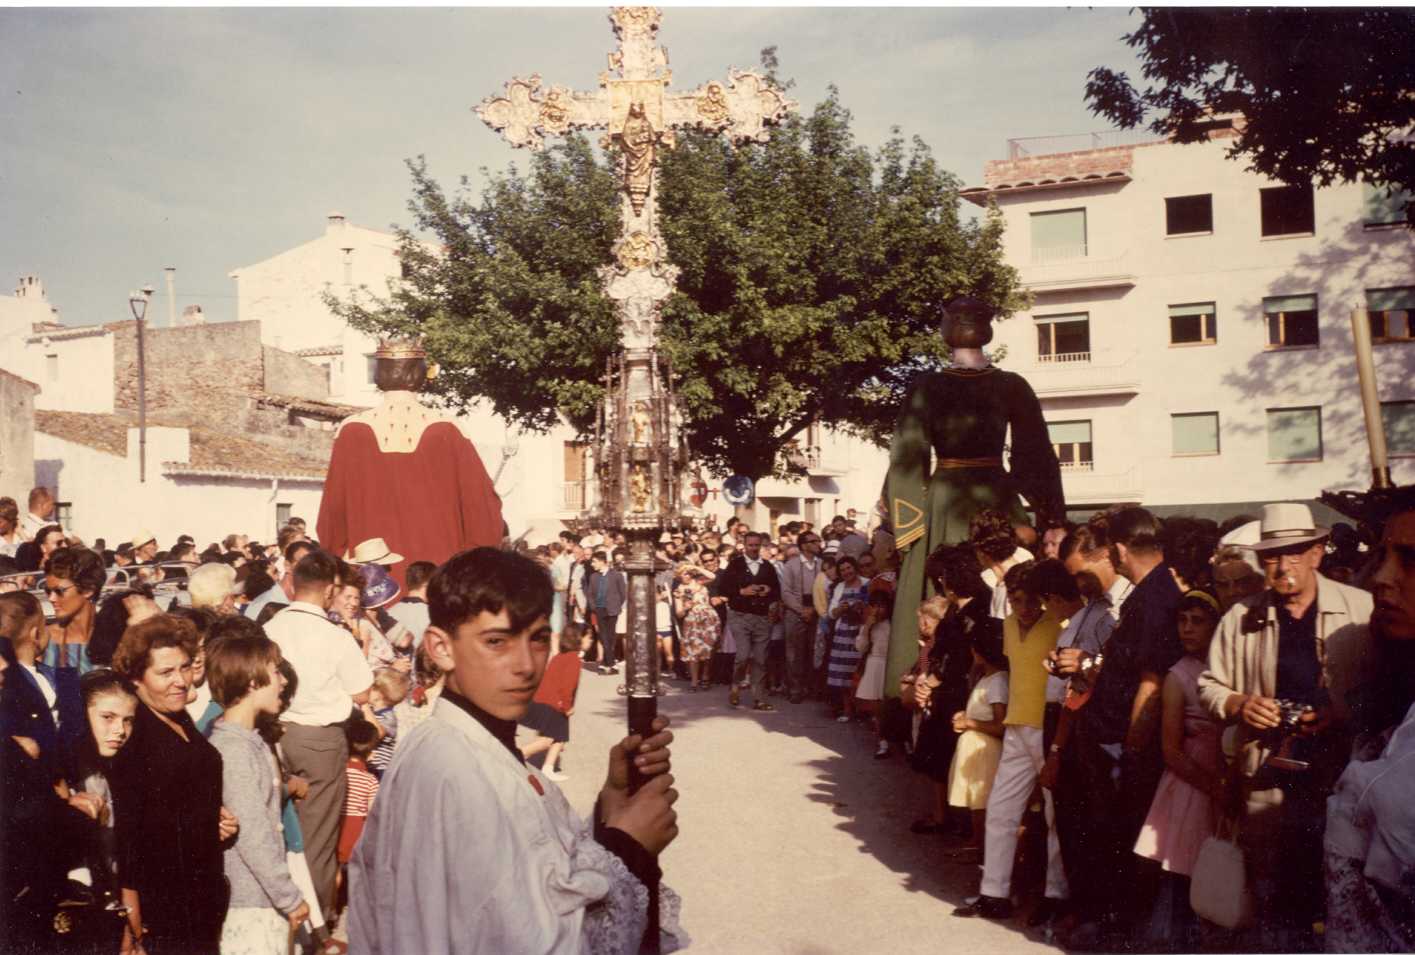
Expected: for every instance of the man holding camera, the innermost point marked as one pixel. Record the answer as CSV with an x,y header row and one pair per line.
x,y
1280,667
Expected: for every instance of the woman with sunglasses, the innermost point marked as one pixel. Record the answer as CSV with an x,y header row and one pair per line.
x,y
73,579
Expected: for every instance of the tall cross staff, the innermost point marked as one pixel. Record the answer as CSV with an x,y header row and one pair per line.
x,y
638,491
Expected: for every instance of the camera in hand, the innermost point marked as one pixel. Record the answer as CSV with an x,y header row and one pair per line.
x,y
1285,757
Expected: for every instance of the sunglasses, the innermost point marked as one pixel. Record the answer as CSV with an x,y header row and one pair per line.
x,y
58,591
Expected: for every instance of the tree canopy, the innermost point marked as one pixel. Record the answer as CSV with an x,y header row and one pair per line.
x,y
1326,94
812,269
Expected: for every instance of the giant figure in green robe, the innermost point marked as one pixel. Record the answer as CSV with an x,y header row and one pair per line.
x,y
946,463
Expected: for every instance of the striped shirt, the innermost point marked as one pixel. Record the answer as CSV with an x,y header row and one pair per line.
x,y
363,786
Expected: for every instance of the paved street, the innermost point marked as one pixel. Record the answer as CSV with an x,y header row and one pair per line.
x,y
794,840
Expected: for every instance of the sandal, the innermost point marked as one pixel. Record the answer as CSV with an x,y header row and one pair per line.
x,y
763,707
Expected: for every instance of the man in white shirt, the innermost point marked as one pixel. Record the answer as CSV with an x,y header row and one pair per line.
x,y
798,580
41,512
333,677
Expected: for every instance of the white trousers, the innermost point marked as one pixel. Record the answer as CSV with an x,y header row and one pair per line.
x,y
1017,773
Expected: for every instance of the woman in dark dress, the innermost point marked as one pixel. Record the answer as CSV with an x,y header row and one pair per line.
x,y
957,420
955,574
168,818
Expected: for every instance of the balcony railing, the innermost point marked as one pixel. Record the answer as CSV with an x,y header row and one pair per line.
x,y
1077,142
573,495
1058,253
1078,465
1065,358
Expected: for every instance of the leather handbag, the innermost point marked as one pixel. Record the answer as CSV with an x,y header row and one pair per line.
x,y
1218,886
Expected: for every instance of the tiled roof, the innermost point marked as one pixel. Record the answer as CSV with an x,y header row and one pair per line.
x,y
213,452
103,432
330,410
319,351
63,333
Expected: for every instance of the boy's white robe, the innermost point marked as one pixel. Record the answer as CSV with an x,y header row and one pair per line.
x,y
463,853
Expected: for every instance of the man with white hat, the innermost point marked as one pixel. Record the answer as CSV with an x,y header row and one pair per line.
x,y
144,547
1297,647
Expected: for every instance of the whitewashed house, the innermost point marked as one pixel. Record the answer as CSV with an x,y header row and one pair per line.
x,y
1190,335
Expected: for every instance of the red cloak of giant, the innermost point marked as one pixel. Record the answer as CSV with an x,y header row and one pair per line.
x,y
427,504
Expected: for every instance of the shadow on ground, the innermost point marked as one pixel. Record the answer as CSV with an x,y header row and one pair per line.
x,y
874,801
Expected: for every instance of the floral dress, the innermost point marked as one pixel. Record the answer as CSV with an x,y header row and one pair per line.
x,y
701,628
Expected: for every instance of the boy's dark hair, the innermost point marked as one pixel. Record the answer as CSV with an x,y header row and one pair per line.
x,y
991,532
317,568
419,572
1049,578
1085,540
236,663
232,625
488,580
363,737
571,636
202,619
601,556
16,609
1016,577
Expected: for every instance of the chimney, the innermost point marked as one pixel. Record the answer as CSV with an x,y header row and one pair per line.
x,y
171,274
336,222
193,315
30,287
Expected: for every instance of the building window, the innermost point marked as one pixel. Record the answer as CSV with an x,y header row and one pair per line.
x,y
64,515
371,369
1398,417
1195,433
1187,215
1072,442
1064,338
1287,210
1194,324
1294,434
1390,310
1383,205
1292,321
51,368
1058,235
813,511
282,514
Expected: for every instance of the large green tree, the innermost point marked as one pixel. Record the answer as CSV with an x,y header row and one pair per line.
x,y
811,274
1327,94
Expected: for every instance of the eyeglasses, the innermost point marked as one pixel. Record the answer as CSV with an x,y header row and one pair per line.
x,y
58,591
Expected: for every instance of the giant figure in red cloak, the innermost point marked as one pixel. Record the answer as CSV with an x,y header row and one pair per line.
x,y
404,473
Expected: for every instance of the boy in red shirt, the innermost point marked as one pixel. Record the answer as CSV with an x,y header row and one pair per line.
x,y
551,708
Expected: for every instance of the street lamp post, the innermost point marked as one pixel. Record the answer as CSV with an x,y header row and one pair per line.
x,y
137,301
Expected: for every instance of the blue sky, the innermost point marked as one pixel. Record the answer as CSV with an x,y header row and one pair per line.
x,y
208,139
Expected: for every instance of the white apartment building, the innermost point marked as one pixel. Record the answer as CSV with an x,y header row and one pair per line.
x,y
544,480
1190,331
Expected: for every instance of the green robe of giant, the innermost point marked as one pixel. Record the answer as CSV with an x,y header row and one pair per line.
x,y
946,464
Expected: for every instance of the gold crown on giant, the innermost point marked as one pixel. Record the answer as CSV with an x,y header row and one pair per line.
x,y
400,348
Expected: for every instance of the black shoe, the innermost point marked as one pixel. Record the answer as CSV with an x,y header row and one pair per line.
x,y
987,907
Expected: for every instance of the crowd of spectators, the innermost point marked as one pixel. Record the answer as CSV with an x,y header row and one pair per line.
x,y
193,740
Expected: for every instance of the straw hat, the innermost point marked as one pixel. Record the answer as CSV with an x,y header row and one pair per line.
x,y
1288,525
143,538
374,551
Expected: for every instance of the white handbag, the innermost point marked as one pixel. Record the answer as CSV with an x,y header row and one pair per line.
x,y
1218,886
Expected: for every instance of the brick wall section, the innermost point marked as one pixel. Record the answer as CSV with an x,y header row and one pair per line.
x,y
288,374
16,437
208,371
199,369
1078,165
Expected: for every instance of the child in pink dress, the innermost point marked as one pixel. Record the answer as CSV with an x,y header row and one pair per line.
x,y
1185,809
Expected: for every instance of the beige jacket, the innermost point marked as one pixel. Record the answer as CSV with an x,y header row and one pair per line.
x,y
1243,656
